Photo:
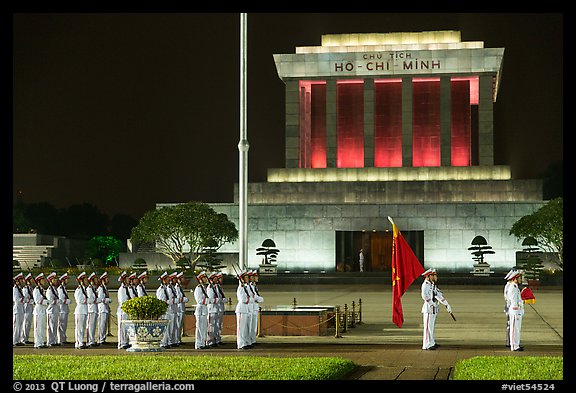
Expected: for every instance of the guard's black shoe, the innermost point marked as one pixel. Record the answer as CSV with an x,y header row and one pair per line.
x,y
246,347
519,349
430,349
436,346
19,344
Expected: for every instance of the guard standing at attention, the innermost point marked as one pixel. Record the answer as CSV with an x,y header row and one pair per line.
x,y
243,309
92,320
123,295
104,301
141,288
202,298
431,295
222,300
53,309
81,311
255,307
40,305
163,293
17,310
181,311
507,306
28,291
213,308
64,309
515,311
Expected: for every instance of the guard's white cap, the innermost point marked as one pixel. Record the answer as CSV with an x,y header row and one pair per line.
x,y
428,272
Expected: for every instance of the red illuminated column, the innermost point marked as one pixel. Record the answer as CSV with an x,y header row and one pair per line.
x,y
426,122
388,123
350,124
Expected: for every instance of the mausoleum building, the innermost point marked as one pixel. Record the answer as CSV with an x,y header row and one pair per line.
x,y
378,125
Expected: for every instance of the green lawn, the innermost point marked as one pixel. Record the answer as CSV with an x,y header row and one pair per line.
x,y
156,367
510,368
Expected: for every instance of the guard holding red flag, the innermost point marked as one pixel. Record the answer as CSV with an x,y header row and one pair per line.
x,y
431,296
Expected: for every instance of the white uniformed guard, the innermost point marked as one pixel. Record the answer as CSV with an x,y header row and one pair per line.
x,y
40,305
53,309
431,295
253,275
18,305
92,322
243,309
132,284
202,298
28,291
123,295
104,300
163,293
181,311
213,307
222,300
141,288
507,306
175,306
515,310
81,311
64,309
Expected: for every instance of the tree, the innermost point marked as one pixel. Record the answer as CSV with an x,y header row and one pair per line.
x,y
529,261
106,248
546,226
269,250
194,224
480,247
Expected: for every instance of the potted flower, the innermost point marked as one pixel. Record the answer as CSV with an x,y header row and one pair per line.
x,y
144,327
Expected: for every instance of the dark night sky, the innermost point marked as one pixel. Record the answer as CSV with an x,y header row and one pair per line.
x,y
125,110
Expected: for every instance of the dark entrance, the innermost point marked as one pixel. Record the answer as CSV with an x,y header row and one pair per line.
x,y
377,247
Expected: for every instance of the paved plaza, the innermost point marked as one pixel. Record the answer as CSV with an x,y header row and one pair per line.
x,y
380,349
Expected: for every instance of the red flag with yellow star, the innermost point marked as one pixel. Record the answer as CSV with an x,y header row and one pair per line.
x,y
405,269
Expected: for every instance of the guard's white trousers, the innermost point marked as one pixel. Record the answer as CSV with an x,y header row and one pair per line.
x,y
28,317
62,326
253,327
169,332
102,326
429,321
52,331
201,331
178,328
80,329
122,337
91,325
515,327
243,329
219,324
39,330
212,328
17,326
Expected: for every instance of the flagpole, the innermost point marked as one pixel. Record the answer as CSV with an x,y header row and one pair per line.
x,y
243,147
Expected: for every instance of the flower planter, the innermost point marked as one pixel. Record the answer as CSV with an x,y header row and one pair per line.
x,y
145,335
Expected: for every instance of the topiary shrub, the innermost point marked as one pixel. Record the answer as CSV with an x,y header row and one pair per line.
x,y
144,307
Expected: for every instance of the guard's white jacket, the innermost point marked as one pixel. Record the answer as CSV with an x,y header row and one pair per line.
x,y
81,298
432,296
203,298
92,299
165,294
221,298
40,301
64,300
141,290
53,300
245,299
257,298
123,295
28,299
103,299
213,299
18,300
182,297
515,302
